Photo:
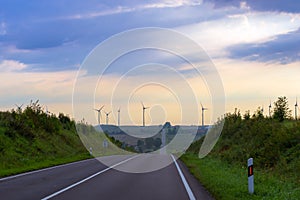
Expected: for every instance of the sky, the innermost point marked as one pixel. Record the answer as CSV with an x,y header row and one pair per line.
x,y
254,46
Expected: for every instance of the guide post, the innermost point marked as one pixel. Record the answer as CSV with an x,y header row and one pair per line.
x,y
250,176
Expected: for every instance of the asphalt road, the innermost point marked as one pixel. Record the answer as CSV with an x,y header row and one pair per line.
x,y
90,179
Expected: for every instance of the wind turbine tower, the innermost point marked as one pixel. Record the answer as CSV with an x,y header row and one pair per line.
x,y
203,109
99,113
296,107
144,108
47,111
270,106
107,117
119,110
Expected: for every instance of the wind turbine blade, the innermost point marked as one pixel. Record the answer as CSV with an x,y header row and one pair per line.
x,y
142,104
21,105
201,105
101,108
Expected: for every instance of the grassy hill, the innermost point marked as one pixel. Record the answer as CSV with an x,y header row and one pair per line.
x,y
275,147
32,139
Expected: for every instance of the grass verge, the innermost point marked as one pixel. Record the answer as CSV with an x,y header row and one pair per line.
x,y
230,182
40,164
32,139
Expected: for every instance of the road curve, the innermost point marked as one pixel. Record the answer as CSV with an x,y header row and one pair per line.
x,y
90,179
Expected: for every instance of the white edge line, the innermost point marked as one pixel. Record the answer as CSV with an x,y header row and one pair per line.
x,y
185,183
48,168
86,179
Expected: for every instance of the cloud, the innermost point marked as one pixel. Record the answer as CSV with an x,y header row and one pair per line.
x,y
214,29
41,48
283,49
250,84
54,87
3,30
125,9
61,58
93,14
244,5
12,49
172,4
291,6
171,91
11,65
253,27
276,5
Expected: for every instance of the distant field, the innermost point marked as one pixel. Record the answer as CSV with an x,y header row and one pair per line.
x,y
94,140
152,138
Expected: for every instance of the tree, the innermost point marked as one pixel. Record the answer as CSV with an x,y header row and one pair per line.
x,y
258,113
140,143
157,143
281,109
247,115
149,142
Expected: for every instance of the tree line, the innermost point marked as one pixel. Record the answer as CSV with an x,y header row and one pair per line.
x,y
281,111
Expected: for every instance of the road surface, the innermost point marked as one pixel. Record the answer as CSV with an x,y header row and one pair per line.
x,y
90,179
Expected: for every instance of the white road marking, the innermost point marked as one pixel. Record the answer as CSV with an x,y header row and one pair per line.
x,y
185,183
86,179
45,169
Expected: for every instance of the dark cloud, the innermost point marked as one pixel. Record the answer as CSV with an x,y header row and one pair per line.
x,y
52,39
284,49
275,5
261,5
44,28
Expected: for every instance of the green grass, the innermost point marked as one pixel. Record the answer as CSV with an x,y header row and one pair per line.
x,y
275,147
39,164
31,140
228,181
92,138
19,154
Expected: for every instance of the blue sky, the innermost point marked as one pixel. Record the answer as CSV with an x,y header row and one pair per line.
x,y
43,43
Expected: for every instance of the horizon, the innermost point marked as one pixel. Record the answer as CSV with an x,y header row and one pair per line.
x,y
115,120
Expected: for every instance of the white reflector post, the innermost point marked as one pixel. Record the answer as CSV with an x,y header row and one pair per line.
x,y
250,176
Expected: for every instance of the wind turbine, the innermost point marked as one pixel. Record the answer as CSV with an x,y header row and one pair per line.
x,y
203,109
296,106
107,117
262,110
270,106
47,112
99,113
144,108
119,110
19,108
